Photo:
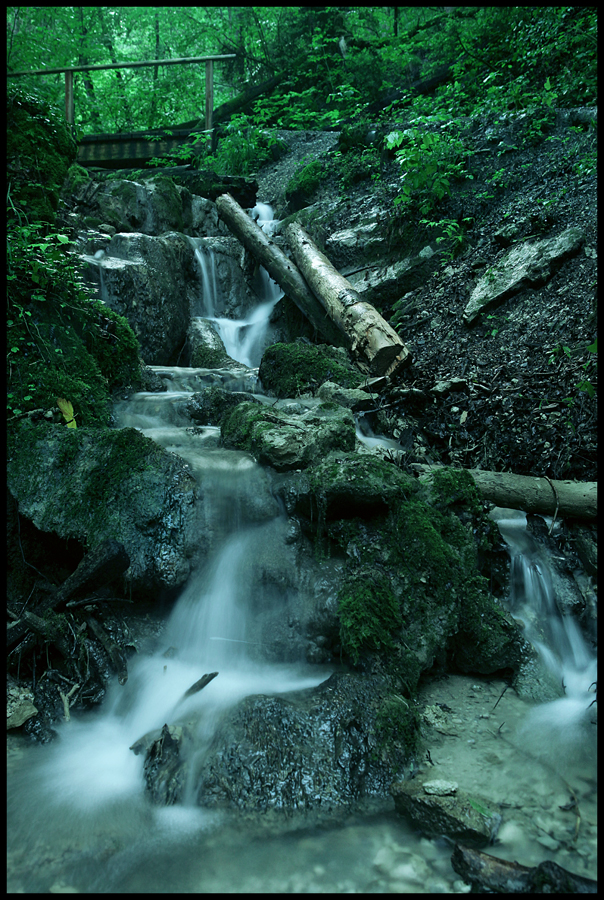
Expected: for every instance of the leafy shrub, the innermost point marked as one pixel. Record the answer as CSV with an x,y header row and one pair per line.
x,y
61,343
429,161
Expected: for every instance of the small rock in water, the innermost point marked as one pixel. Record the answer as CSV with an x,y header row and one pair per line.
x,y
439,787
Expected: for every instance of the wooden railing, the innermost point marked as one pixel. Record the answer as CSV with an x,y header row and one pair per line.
x,y
69,70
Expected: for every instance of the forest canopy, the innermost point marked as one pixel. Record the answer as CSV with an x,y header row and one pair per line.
x,y
335,63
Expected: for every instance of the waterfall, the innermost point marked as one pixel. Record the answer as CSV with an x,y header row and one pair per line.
x,y
555,729
244,339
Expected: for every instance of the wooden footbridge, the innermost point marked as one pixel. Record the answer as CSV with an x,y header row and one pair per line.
x,y
133,149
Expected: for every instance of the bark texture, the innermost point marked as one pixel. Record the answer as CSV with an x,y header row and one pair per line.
x,y
574,499
372,340
280,268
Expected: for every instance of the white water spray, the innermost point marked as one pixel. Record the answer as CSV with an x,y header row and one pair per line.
x,y
558,729
244,339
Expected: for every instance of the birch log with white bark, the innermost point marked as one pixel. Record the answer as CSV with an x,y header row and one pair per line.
x,y
372,340
279,267
574,499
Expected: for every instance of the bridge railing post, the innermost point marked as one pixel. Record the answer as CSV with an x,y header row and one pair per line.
x,y
209,93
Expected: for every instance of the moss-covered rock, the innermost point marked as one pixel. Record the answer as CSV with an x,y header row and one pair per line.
x,y
349,484
92,484
288,370
303,184
40,150
413,595
288,442
210,406
206,346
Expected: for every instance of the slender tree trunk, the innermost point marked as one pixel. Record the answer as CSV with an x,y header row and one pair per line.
x,y
152,111
108,44
83,60
372,340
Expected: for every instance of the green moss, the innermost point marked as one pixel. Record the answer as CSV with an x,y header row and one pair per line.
x,y
369,613
167,201
455,488
40,150
397,727
305,182
288,370
238,426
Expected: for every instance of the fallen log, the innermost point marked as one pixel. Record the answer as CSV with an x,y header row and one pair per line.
x,y
487,873
372,340
572,499
279,267
100,566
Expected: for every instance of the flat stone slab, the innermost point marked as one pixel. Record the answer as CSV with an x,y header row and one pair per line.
x,y
529,264
438,807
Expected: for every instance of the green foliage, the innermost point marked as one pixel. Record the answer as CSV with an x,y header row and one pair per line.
x,y
305,182
40,150
454,236
60,341
429,160
397,723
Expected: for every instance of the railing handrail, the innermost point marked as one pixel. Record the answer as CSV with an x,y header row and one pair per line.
x,y
131,65
69,70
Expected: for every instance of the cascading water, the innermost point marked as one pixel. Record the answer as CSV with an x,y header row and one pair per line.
x,y
79,818
244,339
555,729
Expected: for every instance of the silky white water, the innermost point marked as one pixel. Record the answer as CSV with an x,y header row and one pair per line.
x,y
79,818
560,728
244,339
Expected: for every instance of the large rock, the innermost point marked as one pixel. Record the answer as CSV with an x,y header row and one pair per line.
x,y
321,748
349,484
525,265
93,484
145,280
288,441
205,345
384,285
288,370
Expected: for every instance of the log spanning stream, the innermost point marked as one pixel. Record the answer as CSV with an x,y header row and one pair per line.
x,y
79,819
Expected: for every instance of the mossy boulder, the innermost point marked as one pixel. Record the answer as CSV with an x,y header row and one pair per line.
x,y
206,346
303,184
288,370
349,484
285,441
92,484
412,595
210,406
39,150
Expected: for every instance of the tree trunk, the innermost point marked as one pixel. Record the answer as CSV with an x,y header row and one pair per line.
x,y
278,267
574,499
373,341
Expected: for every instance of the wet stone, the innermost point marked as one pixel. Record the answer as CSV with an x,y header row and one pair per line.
x,y
460,816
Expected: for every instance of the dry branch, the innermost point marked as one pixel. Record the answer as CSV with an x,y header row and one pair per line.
x,y
487,873
100,566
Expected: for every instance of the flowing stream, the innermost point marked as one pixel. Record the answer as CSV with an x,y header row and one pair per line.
x,y
79,819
